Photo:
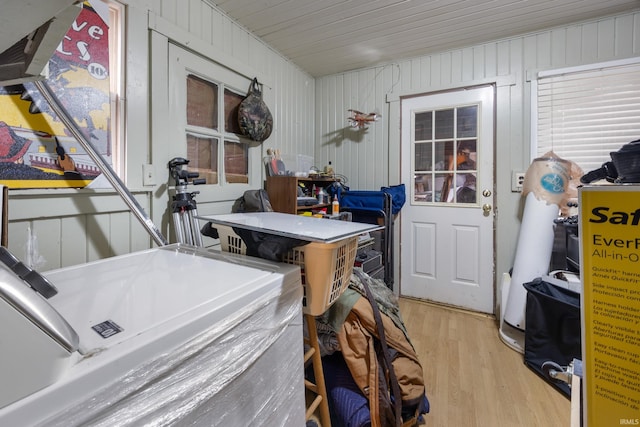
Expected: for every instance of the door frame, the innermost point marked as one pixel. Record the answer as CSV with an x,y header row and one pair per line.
x,y
395,163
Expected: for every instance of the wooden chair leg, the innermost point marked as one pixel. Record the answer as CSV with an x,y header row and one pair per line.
x,y
318,387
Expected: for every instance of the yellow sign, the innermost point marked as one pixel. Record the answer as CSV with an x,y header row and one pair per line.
x,y
610,272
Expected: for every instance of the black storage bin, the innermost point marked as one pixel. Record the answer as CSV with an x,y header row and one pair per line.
x,y
553,328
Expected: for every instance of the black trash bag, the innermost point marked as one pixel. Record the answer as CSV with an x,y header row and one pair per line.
x,y
261,245
627,162
553,331
607,171
252,201
265,245
254,117
623,169
210,231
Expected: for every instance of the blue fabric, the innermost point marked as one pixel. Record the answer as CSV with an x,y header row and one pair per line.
x,y
398,197
348,407
374,200
336,189
366,200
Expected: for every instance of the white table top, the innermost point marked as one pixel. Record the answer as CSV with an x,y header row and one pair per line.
x,y
294,226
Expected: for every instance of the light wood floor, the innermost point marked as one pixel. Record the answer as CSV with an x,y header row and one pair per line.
x,y
472,377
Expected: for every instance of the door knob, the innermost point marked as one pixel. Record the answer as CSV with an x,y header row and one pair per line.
x,y
486,208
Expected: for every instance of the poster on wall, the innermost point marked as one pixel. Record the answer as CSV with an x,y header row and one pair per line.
x,y
610,271
36,149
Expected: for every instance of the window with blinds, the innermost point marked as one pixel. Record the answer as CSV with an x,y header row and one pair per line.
x,y
584,114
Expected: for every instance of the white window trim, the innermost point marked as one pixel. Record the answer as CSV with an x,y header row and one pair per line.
x,y
117,81
182,63
181,36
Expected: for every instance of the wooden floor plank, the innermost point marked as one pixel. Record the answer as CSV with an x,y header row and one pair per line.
x,y
472,377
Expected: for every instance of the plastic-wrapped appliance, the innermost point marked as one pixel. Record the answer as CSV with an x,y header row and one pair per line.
x,y
173,335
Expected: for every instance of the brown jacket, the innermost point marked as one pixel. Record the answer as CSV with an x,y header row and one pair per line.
x,y
356,340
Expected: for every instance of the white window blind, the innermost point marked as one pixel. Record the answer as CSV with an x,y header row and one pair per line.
x,y
584,115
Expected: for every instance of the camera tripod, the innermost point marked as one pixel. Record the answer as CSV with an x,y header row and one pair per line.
x,y
183,206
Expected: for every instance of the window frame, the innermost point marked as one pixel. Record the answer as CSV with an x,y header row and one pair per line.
x,y
117,70
183,63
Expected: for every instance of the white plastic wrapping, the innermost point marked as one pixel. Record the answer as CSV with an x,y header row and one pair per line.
x,y
245,370
544,189
33,258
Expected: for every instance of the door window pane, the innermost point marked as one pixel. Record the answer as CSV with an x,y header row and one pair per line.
x,y
466,188
424,156
202,153
444,151
445,166
236,162
444,124
441,186
467,122
467,153
203,148
202,103
465,182
423,187
232,102
423,126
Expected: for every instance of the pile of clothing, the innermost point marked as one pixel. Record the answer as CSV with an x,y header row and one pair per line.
x,y
372,372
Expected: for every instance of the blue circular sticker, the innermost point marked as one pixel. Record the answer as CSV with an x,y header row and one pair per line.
x,y
553,183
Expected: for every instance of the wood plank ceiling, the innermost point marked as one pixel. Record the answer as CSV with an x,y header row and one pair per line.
x,y
331,36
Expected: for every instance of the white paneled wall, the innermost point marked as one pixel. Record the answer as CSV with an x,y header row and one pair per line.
x,y
362,156
359,154
310,117
289,92
67,227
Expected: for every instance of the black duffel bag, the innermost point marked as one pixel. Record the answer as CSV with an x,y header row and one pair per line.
x,y
553,329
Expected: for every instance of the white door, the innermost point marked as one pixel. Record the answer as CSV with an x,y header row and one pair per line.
x,y
447,252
